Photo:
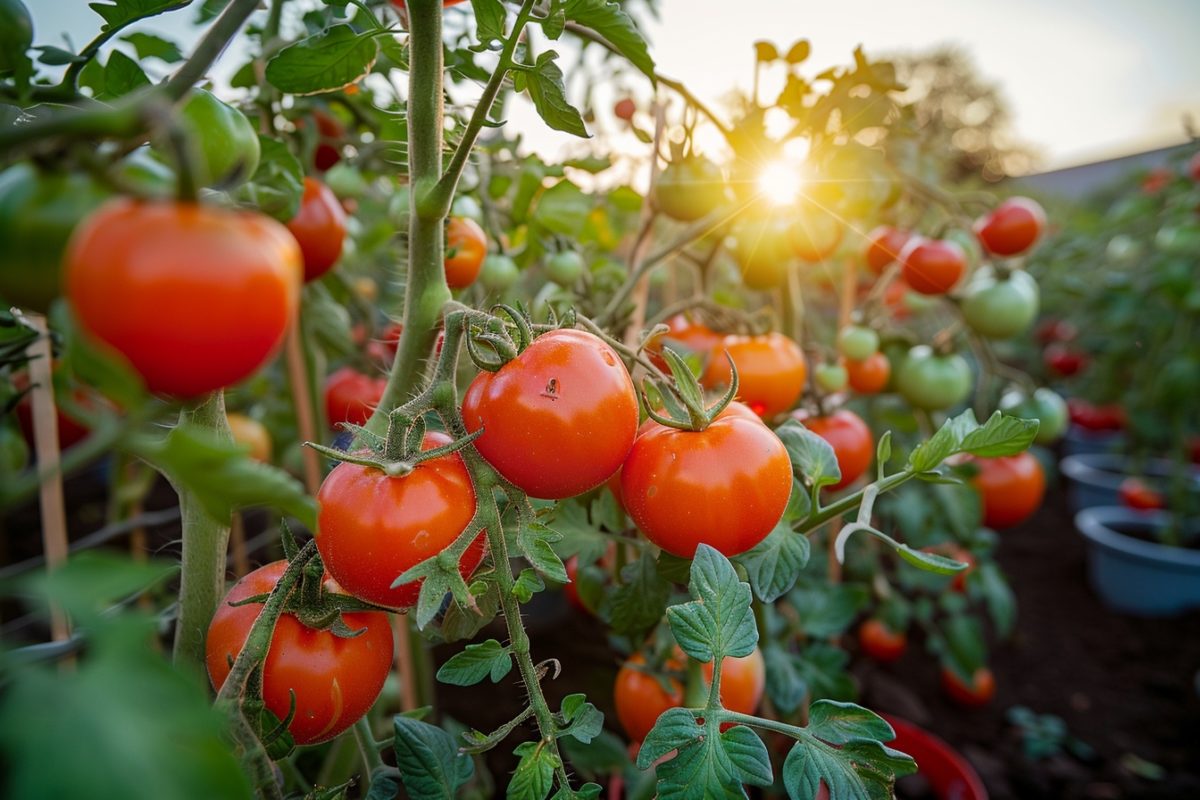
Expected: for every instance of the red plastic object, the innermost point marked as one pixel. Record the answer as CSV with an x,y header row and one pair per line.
x,y
949,774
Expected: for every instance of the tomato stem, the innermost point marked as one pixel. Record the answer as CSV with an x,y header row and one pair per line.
x,y
366,746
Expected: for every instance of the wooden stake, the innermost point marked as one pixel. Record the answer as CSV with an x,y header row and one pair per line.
x,y
45,446
404,663
305,415
849,292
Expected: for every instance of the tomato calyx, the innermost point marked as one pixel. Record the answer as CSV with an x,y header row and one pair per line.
x,y
507,340
398,452
683,399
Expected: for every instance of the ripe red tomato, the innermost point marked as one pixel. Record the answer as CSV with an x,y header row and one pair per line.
x,y
1136,493
850,439
771,371
884,246
933,266
331,131
558,419
743,680
372,526
625,108
1011,488
1156,180
1064,360
320,228
351,396
1095,418
880,643
466,247
726,486
195,297
978,694
869,376
1193,167
1055,330
684,334
335,679
1012,227
571,587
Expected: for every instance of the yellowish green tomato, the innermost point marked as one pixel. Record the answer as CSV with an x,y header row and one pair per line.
x,y
224,146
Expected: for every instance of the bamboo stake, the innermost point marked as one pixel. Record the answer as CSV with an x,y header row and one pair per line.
x,y
404,663
305,414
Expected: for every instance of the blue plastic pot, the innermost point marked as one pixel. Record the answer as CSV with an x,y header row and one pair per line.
x,y
1134,576
1081,441
1094,479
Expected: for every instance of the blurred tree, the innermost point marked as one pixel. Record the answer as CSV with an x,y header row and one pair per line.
x,y
955,109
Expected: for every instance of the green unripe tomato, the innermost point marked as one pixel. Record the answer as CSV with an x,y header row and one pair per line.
x,y
38,211
225,147
1123,249
565,267
831,377
857,342
691,189
1000,308
16,33
1046,406
933,382
499,272
467,206
345,180
763,251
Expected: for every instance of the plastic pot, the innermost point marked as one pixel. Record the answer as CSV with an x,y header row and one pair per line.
x,y
1081,441
949,774
1135,576
1094,479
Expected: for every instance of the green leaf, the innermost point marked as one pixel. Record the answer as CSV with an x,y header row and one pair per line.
x,y
713,765
1001,436
584,721
489,20
533,540
675,728
638,603
785,685
119,13
822,668
563,209
88,584
546,90
330,60
719,621
429,761
775,563
825,609
527,585
858,770
605,754
840,723
534,774
943,444
277,186
965,647
150,46
223,477
120,76
813,459
476,662
102,367
617,28
998,598
930,562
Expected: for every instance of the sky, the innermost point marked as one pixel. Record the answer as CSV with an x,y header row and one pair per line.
x,y
1086,79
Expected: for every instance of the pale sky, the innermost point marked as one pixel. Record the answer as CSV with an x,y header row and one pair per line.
x,y
1087,79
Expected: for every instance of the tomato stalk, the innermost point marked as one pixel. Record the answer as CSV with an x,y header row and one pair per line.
x,y
205,539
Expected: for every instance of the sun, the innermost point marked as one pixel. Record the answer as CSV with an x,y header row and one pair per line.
x,y
780,182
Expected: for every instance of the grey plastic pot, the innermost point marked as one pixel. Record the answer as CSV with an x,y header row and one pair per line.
x,y
1081,441
1134,576
1094,479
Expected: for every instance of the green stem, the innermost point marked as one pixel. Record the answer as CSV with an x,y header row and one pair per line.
x,y
205,540
210,48
851,502
366,746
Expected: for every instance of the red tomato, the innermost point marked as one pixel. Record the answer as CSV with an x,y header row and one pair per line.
x,y
1095,418
850,439
884,246
933,266
558,419
466,247
195,297
1193,167
869,376
625,108
372,526
351,396
1013,226
726,486
320,228
684,335
1156,180
978,694
1055,330
571,587
895,297
1011,488
335,680
331,131
1136,493
881,643
771,371
1064,360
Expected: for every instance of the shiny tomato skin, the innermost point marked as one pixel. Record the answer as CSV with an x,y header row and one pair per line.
x,y
1011,488
1137,494
933,266
881,643
771,371
195,297
624,109
977,695
351,396
743,680
884,246
372,527
466,247
640,699
869,376
336,680
1064,360
319,227
726,486
557,420
850,439
1012,227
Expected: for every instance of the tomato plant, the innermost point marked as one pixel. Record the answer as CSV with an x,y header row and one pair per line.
x,y
351,396
1011,487
869,376
933,266
771,371
466,247
690,189
319,228
972,694
884,246
931,381
880,643
850,439
1012,227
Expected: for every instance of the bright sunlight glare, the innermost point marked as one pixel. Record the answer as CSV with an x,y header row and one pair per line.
x,y
780,182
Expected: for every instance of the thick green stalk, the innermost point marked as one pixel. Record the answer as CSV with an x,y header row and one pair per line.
x,y
425,291
205,540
